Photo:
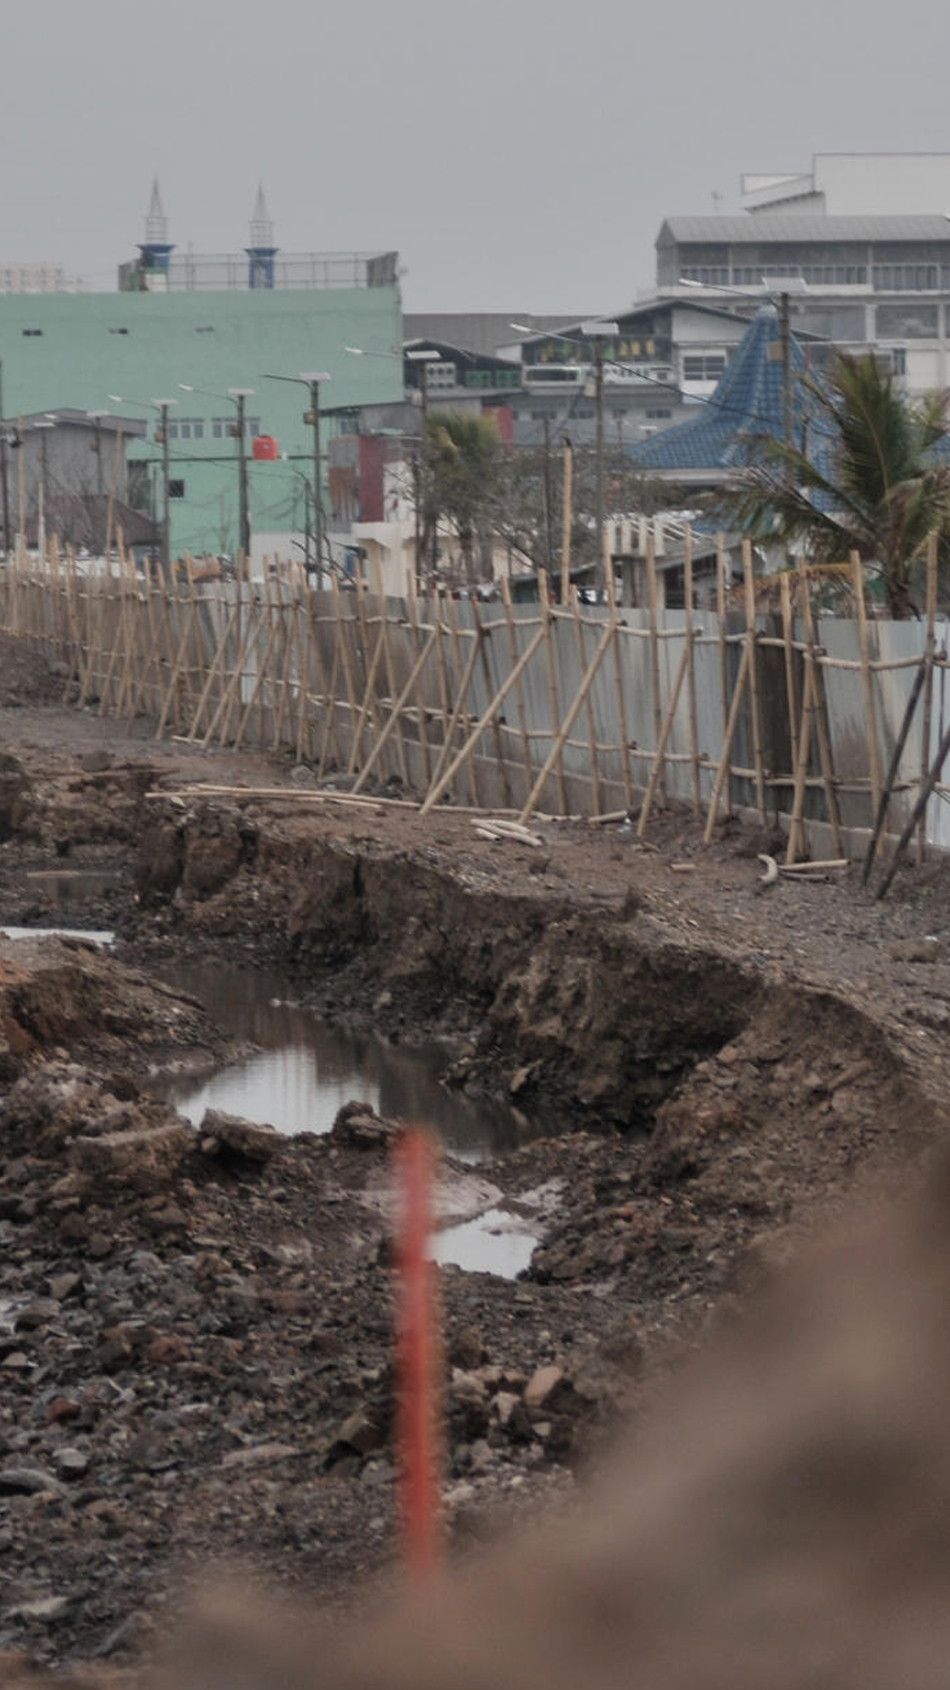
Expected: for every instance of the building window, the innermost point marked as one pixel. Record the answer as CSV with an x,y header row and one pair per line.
x,y
703,366
118,331
204,328
176,489
442,374
906,278
32,334
906,322
661,416
221,428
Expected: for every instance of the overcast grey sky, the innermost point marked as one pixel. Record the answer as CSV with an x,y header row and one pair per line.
x,y
518,158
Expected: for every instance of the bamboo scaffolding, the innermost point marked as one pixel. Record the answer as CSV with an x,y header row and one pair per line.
x,y
550,655
926,726
568,722
867,681
593,763
618,673
748,580
656,773
723,644
692,715
439,786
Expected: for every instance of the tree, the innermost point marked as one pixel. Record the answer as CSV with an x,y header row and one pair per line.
x,y
461,460
868,481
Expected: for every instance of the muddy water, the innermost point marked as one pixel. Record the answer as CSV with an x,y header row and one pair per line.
x,y
305,1068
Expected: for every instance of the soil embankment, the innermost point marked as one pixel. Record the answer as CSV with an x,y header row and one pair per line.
x,y
196,1329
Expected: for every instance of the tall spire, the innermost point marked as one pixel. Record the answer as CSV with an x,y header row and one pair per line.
x,y
262,251
262,227
156,223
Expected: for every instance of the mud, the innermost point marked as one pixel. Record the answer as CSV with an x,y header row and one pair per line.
x,y
197,1336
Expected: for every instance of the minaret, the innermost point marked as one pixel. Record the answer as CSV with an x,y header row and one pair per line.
x,y
156,249
262,251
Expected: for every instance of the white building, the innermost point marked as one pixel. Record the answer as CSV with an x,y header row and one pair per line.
x,y
861,243
42,276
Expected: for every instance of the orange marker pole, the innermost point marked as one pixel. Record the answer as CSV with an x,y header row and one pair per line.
x,y
417,1395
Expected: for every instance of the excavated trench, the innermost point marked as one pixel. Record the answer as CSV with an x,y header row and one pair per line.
x,y
581,1014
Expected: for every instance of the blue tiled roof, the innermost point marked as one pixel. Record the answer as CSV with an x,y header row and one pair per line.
x,y
748,401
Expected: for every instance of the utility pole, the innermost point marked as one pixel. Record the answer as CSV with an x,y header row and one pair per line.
x,y
4,481
548,546
313,417
599,581
162,406
785,321
244,515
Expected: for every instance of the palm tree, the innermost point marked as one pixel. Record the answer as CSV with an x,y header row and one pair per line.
x,y
867,480
462,454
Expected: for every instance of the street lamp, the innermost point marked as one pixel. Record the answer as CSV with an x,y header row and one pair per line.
x,y
238,397
96,417
311,379
162,406
42,424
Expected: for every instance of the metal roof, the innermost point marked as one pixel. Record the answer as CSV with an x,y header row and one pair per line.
x,y
747,403
757,228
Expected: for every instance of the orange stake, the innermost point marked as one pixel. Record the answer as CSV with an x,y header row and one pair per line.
x,y
417,1423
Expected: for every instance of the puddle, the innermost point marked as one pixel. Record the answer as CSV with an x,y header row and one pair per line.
x,y
92,935
306,1068
494,1242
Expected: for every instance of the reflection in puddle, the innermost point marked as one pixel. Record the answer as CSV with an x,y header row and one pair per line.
x,y
491,1243
306,1068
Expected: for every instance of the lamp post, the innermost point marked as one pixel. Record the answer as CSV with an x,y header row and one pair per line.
x,y
162,406
41,426
422,357
311,380
238,397
4,481
96,418
598,332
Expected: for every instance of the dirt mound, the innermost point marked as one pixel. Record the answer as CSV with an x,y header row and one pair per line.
x,y
70,995
28,676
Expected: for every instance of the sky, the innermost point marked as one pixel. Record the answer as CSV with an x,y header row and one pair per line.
x,y
518,156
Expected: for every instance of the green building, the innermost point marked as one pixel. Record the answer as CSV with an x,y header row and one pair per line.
x,y
189,329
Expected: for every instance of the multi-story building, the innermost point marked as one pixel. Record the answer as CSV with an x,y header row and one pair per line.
x,y
43,275
120,352
861,244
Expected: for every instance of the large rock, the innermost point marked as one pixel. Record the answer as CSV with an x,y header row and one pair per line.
x,y
249,1141
142,1161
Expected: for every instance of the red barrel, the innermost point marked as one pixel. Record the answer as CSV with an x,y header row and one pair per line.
x,y
265,449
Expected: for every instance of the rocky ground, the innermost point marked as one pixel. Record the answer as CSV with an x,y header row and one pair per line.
x,y
196,1328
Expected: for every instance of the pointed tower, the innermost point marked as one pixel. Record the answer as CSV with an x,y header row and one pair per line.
x,y
155,250
262,251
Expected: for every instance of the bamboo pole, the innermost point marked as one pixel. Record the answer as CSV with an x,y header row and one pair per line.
x,y
929,654
867,681
446,747
567,520
893,768
691,671
748,579
554,703
364,708
821,718
483,639
443,669
917,812
796,835
721,568
453,621
412,614
519,689
398,706
653,611
656,771
618,675
305,645
436,790
390,673
728,737
788,631
569,720
344,651
596,804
